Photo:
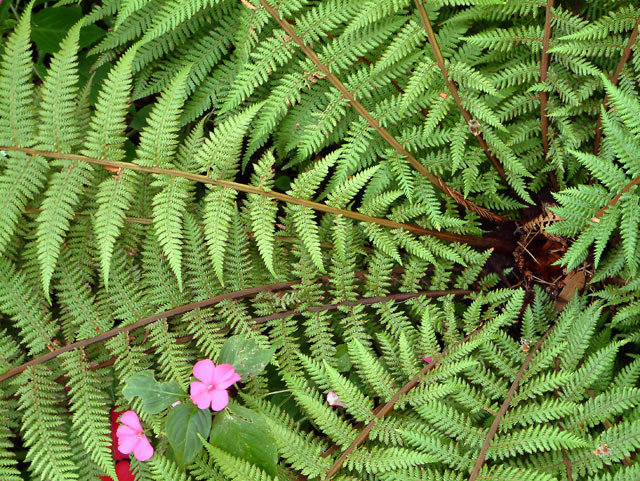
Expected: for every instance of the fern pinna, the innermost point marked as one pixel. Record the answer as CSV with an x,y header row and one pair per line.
x,y
377,240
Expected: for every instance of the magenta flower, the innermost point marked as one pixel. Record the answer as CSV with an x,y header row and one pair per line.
x,y
212,391
428,360
334,400
131,437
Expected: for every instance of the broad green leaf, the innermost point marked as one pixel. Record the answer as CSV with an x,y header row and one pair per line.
x,y
50,26
247,358
245,434
183,425
156,396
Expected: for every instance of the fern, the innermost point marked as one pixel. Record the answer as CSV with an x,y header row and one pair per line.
x,y
330,196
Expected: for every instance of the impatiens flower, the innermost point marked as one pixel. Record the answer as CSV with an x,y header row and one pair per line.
x,y
334,400
131,437
212,391
117,455
428,360
123,471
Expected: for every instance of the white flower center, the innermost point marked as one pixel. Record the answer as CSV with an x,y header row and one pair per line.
x,y
139,435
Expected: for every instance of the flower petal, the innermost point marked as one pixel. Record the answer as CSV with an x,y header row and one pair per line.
x,y
126,444
199,395
219,399
204,370
130,418
223,372
235,377
123,470
126,432
143,449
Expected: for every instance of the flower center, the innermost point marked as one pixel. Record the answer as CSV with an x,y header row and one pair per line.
x,y
211,387
140,435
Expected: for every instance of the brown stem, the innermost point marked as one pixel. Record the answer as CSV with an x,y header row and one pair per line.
x,y
366,301
470,240
544,69
475,472
544,96
170,313
437,53
145,322
575,282
626,54
384,133
615,200
399,297
383,410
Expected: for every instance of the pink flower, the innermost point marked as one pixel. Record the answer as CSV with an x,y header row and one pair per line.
x,y
428,360
334,400
131,437
212,391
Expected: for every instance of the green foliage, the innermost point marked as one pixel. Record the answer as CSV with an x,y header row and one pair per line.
x,y
156,396
185,423
243,433
246,357
192,163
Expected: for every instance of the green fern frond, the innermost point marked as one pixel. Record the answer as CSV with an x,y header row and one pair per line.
x,y
89,408
49,451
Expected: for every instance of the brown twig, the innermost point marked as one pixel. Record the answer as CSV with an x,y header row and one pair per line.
x,y
626,54
437,53
470,240
544,96
168,314
615,200
384,133
386,408
544,70
575,282
366,301
475,472
146,321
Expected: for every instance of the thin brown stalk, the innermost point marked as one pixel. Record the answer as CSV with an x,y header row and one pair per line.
x,y
437,53
615,200
544,70
383,410
366,301
575,282
626,54
544,96
384,133
145,322
475,472
168,314
446,236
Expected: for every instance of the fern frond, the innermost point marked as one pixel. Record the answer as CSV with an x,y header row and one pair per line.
x,y
89,409
43,425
